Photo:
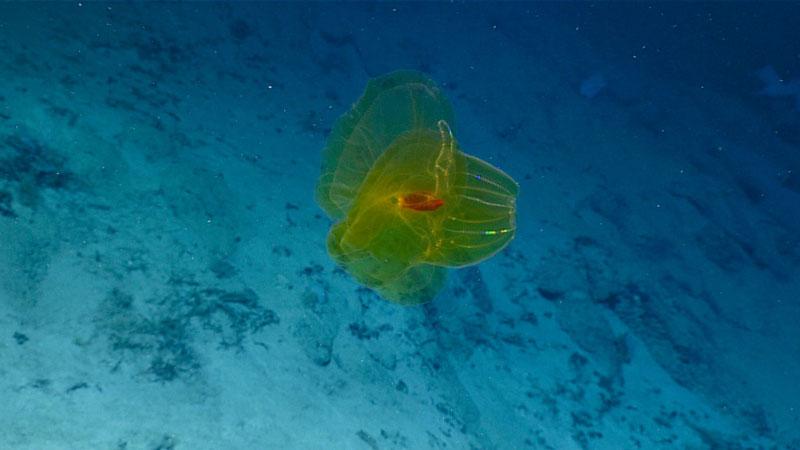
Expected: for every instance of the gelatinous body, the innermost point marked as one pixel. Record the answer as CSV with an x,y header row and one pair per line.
x,y
408,203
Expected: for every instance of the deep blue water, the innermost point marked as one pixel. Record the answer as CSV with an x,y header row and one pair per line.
x,y
164,278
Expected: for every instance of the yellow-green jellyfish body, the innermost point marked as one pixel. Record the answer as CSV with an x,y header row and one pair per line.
x,y
407,201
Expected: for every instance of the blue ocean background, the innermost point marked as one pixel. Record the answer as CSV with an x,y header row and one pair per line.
x,y
164,282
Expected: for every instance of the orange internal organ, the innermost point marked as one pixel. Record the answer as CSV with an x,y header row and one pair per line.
x,y
421,201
